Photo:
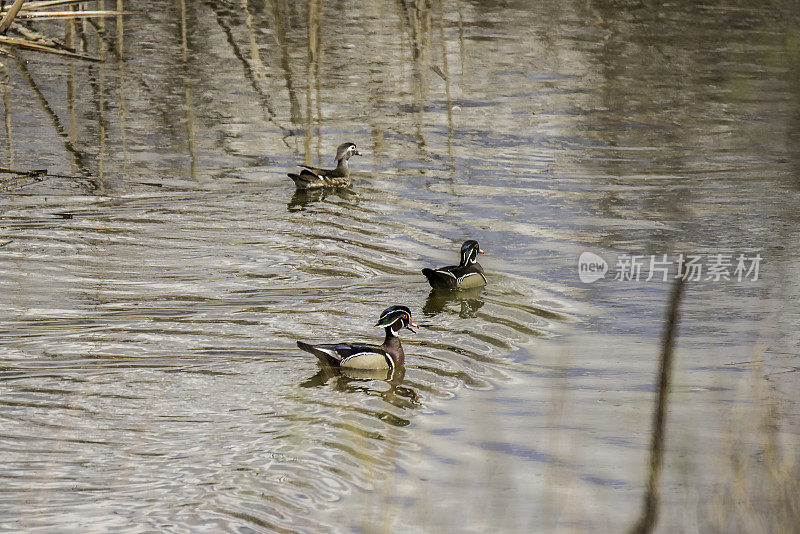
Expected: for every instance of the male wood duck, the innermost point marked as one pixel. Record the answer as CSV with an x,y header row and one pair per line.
x,y
363,356
466,275
313,177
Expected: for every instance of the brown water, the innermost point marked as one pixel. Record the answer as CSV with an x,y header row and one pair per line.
x,y
152,296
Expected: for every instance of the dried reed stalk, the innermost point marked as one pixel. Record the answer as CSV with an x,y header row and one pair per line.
x,y
51,15
8,18
51,3
19,11
30,45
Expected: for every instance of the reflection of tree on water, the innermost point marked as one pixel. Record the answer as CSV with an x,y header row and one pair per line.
x,y
75,45
264,38
77,155
649,513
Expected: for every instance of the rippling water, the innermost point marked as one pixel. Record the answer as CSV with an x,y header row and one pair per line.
x,y
153,291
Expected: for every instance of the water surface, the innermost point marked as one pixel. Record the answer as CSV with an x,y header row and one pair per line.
x,y
152,293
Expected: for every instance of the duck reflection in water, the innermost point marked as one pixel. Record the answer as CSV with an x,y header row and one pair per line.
x,y
468,301
304,197
364,381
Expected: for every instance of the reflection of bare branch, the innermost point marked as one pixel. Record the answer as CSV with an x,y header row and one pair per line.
x,y
649,514
97,84
69,38
280,32
103,37
462,47
7,108
318,75
445,75
121,98
80,159
120,28
312,70
255,57
187,92
418,19
266,105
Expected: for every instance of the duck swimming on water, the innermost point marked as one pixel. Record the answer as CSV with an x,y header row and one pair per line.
x,y
467,274
389,355
314,177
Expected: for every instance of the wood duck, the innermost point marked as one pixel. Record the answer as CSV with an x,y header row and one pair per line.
x,y
363,356
313,177
467,275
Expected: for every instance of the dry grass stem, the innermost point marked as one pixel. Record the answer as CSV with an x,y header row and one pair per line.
x,y
35,172
30,45
52,15
8,18
50,3
36,41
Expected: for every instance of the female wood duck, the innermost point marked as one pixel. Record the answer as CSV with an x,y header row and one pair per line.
x,y
363,356
313,177
467,275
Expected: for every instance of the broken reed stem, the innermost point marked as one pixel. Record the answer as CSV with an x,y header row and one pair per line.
x,y
32,35
37,172
649,514
23,43
51,3
20,12
8,18
52,15
42,172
